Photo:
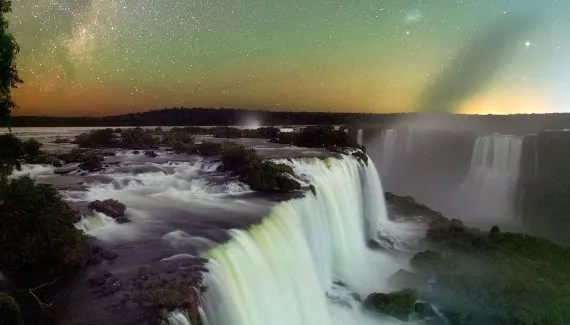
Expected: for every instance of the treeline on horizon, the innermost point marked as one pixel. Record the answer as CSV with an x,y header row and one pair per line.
x,y
235,117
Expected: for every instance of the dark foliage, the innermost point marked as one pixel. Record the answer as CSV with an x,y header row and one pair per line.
x,y
406,206
318,137
181,140
260,175
36,228
135,138
139,138
495,277
104,138
10,151
398,304
207,116
91,162
209,149
9,78
31,148
226,132
73,156
9,311
262,132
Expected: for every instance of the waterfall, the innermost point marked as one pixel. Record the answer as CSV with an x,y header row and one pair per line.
x,y
177,318
387,149
281,271
94,222
490,187
360,137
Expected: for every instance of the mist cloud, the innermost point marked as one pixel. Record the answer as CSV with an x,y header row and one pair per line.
x,y
476,64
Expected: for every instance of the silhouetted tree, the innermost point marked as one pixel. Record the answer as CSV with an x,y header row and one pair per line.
x,y
8,73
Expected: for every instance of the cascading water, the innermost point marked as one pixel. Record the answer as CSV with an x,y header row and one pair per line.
x,y
489,191
93,222
387,149
360,137
282,270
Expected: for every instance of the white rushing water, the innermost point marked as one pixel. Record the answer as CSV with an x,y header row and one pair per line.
x,y
93,222
489,190
281,271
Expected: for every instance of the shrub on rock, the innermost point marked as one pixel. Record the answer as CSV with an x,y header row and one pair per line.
x,y
260,175
209,149
31,148
138,138
399,304
104,138
110,207
226,132
91,163
427,261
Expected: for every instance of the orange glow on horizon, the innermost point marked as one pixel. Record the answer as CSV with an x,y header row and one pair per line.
x,y
503,104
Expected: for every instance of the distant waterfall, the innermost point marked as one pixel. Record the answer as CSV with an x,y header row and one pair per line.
x,y
490,186
387,149
278,271
360,137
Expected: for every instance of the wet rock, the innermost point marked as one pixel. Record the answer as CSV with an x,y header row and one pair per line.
x,y
150,153
108,255
110,207
136,152
398,304
109,287
47,159
423,309
66,169
108,153
99,279
91,163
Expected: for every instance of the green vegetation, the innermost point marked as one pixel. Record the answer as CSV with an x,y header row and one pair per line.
x,y
135,138
209,149
259,174
36,228
9,311
10,151
398,304
495,277
318,137
8,73
406,206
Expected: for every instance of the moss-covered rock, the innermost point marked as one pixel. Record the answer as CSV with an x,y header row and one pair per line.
x,y
9,311
154,291
260,175
399,304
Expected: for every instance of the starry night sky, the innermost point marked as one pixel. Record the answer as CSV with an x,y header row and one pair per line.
x,y
101,57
